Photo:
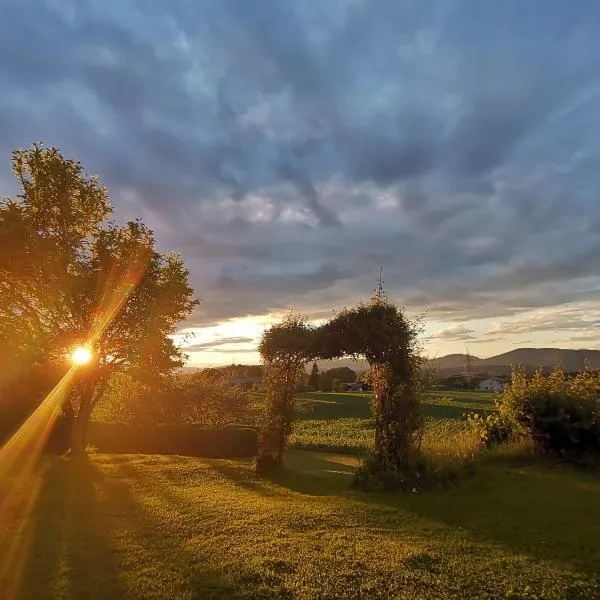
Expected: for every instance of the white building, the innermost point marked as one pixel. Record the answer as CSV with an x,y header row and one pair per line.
x,y
491,385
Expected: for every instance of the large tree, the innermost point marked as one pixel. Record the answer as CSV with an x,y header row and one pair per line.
x,y
342,374
69,277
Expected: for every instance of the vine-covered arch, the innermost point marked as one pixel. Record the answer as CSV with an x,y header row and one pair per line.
x,y
377,330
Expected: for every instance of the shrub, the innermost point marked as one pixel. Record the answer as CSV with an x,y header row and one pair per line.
x,y
560,414
372,477
11,417
186,440
22,389
200,397
426,473
445,458
491,429
14,414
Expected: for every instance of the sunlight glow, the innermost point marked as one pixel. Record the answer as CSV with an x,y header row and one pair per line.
x,y
19,456
81,355
232,340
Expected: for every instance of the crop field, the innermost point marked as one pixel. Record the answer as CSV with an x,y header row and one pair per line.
x,y
341,422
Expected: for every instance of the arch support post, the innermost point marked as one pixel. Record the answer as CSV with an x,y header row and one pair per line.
x,y
280,375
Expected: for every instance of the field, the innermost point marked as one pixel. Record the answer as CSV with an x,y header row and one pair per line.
x,y
156,527
341,422
172,527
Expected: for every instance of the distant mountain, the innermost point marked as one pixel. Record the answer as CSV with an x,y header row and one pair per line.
x,y
572,360
455,361
357,366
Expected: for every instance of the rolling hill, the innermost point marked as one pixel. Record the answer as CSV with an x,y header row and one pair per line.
x,y
501,364
494,366
572,360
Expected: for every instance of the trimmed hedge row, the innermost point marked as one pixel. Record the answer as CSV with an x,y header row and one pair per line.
x,y
186,440
59,437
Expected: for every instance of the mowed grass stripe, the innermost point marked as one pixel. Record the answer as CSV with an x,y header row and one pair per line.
x,y
174,527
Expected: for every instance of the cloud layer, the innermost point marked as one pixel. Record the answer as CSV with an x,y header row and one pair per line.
x,y
288,149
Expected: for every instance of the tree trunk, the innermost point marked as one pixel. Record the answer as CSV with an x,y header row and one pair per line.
x,y
79,429
89,398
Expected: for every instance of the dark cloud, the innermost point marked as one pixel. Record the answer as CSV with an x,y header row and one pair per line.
x,y
290,150
225,341
307,190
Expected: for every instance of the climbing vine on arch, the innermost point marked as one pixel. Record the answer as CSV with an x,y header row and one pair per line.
x,y
377,330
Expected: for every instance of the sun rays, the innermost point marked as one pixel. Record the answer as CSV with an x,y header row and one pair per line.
x,y
19,456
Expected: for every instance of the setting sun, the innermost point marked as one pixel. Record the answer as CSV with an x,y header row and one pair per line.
x,y
81,355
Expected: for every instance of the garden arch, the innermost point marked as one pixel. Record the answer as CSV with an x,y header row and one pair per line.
x,y
377,330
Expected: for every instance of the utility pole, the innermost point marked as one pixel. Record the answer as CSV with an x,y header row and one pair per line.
x,y
468,368
379,291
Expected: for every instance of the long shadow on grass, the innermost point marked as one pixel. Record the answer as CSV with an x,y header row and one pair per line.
x,y
547,513
71,556
47,533
327,406
156,536
304,472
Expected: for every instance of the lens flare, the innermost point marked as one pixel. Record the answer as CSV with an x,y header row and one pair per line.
x,y
19,456
81,355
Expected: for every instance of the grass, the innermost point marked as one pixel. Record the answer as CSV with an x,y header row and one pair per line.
x,y
346,434
156,527
341,422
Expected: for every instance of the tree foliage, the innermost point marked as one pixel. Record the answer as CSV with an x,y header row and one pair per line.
x,y
69,277
339,374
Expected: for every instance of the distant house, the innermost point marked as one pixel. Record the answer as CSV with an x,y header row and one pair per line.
x,y
354,387
244,381
491,385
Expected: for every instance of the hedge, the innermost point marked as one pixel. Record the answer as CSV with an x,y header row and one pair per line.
x,y
186,440
59,437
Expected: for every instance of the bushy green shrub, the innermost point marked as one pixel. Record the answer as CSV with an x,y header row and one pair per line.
x,y
371,477
492,429
11,418
200,397
426,472
186,440
560,414
59,435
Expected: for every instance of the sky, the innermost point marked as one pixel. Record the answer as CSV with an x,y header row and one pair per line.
x,y
289,150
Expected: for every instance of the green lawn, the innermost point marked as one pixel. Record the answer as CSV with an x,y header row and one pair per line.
x,y
157,527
